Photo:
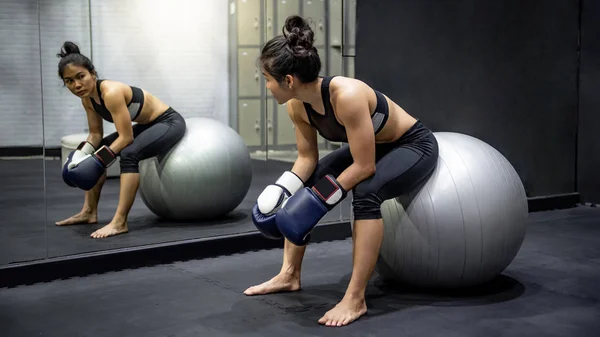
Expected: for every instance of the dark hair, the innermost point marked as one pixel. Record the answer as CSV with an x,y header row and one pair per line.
x,y
292,53
69,54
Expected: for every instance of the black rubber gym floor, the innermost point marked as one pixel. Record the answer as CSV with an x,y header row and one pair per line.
x,y
30,205
550,289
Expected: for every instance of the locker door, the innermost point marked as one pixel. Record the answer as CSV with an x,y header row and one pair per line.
x,y
271,111
314,12
286,131
248,22
272,28
249,121
286,8
323,56
335,22
335,61
249,76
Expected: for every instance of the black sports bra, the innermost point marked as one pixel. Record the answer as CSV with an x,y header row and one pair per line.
x,y
134,107
328,126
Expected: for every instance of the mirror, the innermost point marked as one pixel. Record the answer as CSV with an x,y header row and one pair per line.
x,y
22,201
179,53
199,59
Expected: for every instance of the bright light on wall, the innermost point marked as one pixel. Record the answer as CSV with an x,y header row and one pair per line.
x,y
176,49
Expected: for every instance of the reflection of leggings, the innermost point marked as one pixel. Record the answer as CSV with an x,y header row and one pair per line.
x,y
400,166
149,140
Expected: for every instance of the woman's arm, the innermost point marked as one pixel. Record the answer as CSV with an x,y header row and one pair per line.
x,y
95,127
306,142
353,111
116,105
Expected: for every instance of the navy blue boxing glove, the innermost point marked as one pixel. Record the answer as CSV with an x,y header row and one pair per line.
x,y
305,209
271,200
83,150
65,170
88,171
265,223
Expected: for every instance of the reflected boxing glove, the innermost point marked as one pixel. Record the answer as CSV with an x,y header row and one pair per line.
x,y
83,150
89,169
305,209
270,200
65,170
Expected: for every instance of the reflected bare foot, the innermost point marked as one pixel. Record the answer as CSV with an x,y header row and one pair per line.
x,y
83,217
281,283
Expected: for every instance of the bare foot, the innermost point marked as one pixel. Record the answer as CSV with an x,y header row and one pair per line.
x,y
345,312
280,283
113,228
82,217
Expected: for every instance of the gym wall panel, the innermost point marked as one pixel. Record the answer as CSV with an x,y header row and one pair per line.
x,y
589,104
20,78
502,71
175,49
60,21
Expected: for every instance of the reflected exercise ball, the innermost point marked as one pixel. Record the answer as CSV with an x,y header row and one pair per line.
x,y
205,175
462,226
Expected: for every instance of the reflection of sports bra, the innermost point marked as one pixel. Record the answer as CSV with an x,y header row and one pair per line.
x,y
329,128
134,107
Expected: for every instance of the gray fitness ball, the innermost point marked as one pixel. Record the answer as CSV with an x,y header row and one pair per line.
x,y
206,175
463,226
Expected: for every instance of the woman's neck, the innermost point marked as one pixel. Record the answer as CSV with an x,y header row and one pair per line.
x,y
310,92
94,94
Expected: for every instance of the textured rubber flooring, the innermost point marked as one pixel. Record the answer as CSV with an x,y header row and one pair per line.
x,y
550,289
30,205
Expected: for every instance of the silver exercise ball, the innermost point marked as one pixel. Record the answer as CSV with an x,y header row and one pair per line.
x,y
460,228
206,175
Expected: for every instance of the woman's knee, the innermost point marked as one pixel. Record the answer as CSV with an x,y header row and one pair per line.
x,y
333,163
319,172
108,140
366,205
129,161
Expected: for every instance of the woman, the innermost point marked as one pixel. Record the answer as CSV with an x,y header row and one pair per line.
x,y
389,152
158,129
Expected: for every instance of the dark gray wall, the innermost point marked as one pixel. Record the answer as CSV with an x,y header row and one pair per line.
x,y
502,71
589,104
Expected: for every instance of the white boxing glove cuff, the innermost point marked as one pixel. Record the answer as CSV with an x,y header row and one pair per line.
x,y
290,182
86,147
274,195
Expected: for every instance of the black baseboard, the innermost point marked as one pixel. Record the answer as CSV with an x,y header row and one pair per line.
x,y
21,151
94,263
552,202
29,151
53,152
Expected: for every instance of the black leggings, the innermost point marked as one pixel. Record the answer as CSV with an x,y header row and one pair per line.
x,y
400,167
149,140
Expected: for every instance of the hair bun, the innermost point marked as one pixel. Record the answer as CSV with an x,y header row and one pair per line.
x,y
299,35
68,48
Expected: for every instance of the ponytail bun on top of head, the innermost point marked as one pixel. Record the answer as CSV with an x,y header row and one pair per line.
x,y
292,53
299,36
68,48
70,54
